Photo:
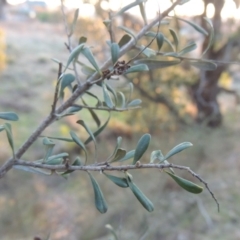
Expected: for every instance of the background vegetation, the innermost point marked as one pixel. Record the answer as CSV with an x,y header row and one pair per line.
x,y
34,205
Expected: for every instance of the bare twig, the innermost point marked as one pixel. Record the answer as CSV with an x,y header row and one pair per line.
x,y
107,167
69,44
107,109
55,99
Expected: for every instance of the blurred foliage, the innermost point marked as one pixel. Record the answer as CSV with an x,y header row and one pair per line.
x,y
2,50
49,17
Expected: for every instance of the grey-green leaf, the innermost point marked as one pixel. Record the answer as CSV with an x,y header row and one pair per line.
x,y
204,65
110,89
142,146
79,143
81,122
148,52
31,170
195,26
124,40
66,81
185,184
122,100
160,40
96,133
55,161
137,68
11,116
49,145
211,37
118,145
134,103
175,38
121,182
100,201
156,156
146,203
107,98
74,54
143,12
154,64
190,47
87,70
61,139
128,31
129,6
8,129
88,54
120,153
114,52
180,147
128,156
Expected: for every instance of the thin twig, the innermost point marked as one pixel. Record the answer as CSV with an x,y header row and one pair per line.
x,y
55,99
107,109
69,44
107,167
138,54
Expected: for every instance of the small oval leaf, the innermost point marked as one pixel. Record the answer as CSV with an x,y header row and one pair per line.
x,y
156,156
121,182
122,100
185,184
100,201
180,147
114,52
134,103
124,40
79,143
204,65
66,81
190,47
160,40
129,31
175,38
128,156
8,128
74,54
154,64
195,26
146,203
107,98
99,130
137,68
142,146
11,116
88,54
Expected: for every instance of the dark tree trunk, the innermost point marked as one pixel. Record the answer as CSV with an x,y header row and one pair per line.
x,y
206,90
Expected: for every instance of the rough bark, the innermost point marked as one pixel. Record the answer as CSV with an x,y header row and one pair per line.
x,y
206,90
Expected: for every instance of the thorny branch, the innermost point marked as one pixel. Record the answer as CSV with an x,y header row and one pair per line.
x,y
123,168
81,89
